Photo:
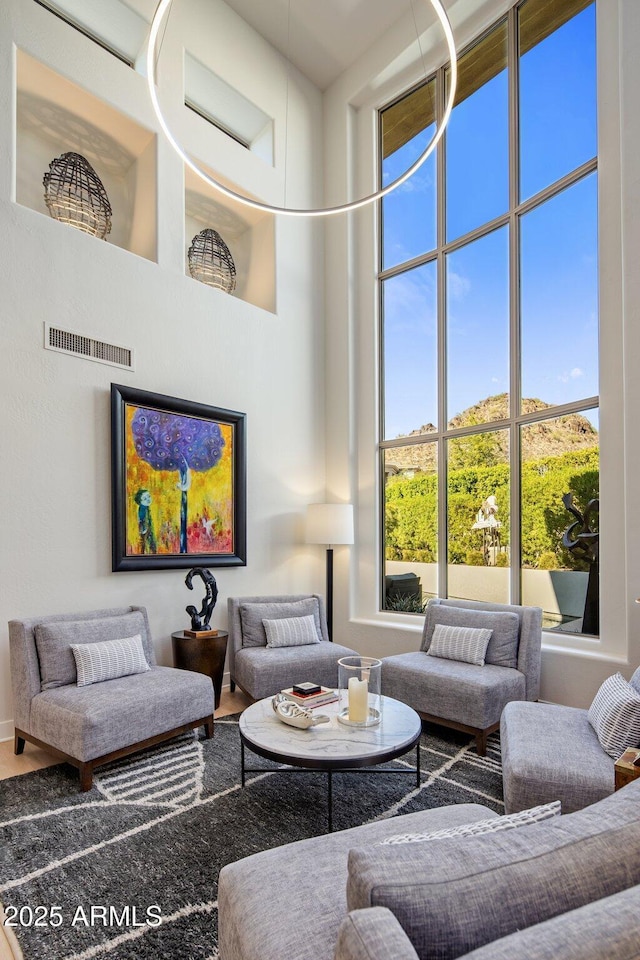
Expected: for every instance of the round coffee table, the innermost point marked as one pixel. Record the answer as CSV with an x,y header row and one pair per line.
x,y
331,746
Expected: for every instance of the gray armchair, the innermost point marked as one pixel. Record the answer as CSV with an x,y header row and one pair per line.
x,y
91,725
465,696
261,671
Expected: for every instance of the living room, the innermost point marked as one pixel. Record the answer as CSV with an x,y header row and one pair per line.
x,y
297,348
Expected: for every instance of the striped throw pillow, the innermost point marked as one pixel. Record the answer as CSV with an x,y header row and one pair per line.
x,y
467,644
615,716
520,819
109,659
291,632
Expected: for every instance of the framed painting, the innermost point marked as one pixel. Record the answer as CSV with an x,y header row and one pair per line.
x,y
178,483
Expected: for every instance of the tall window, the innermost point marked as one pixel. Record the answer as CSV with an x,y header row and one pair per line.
x,y
489,344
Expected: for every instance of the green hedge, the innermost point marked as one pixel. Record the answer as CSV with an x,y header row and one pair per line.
x,y
412,509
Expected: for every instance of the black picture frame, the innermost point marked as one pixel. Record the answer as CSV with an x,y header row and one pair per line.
x,y
210,446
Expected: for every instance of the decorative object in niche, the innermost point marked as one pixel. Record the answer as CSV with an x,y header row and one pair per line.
x,y
210,261
75,194
178,482
201,622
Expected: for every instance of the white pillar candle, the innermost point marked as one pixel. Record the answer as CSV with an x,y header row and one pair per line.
x,y
358,700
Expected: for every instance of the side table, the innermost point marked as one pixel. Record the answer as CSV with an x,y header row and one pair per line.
x,y
625,768
203,655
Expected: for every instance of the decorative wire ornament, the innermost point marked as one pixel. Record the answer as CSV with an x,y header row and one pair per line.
x,y
210,261
161,10
75,194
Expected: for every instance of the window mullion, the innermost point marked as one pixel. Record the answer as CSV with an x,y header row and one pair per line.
x,y
443,535
514,313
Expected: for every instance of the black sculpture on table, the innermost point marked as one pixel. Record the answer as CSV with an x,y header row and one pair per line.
x,y
200,621
584,542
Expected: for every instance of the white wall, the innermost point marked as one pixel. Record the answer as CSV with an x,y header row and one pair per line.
x,y
190,341
572,668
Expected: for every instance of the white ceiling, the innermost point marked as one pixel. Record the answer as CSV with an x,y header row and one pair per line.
x,y
324,37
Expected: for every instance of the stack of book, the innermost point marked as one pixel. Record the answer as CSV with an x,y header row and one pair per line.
x,y
311,694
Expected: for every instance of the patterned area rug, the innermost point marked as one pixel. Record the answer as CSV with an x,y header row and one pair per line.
x,y
91,875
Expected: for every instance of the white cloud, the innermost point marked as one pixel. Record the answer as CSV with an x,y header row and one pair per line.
x,y
573,374
458,286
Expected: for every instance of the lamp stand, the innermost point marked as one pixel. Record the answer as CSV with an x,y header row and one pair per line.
x,y
330,592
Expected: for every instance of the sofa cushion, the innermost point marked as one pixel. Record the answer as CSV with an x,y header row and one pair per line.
x,y
455,895
96,662
635,680
291,632
493,825
373,934
615,715
252,615
54,639
505,626
467,644
90,722
606,929
303,923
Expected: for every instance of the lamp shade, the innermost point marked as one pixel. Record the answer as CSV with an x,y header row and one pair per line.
x,y
329,523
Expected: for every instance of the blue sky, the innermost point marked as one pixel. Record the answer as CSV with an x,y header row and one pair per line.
x,y
558,277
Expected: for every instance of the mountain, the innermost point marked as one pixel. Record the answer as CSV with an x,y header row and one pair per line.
x,y
546,439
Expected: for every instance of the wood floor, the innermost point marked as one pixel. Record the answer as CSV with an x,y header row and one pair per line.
x,y
34,758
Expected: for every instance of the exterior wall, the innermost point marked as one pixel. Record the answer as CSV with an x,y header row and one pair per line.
x,y
555,591
190,341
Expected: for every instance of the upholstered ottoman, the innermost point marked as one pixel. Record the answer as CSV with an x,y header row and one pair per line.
x,y
551,752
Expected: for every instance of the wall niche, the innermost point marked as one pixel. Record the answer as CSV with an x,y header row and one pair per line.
x,y
55,116
248,233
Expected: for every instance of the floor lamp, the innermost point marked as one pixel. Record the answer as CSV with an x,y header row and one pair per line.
x,y
330,524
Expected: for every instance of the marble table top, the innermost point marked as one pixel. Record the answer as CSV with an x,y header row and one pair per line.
x,y
331,745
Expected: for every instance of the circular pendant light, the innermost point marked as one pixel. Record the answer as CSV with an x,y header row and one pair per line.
x,y
162,9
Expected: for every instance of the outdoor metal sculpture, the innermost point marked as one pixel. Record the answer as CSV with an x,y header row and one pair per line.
x,y
583,541
200,621
487,521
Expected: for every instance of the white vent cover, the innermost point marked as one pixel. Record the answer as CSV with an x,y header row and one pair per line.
x,y
64,341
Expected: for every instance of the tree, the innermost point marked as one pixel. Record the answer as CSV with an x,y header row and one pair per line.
x,y
169,441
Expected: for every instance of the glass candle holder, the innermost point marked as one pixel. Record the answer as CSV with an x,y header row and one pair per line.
x,y
359,683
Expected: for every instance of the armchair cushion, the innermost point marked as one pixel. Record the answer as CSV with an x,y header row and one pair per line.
x,y
493,825
291,632
96,662
503,644
54,639
90,722
252,615
615,715
467,644
450,689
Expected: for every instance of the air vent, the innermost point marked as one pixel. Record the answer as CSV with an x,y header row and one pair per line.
x,y
63,341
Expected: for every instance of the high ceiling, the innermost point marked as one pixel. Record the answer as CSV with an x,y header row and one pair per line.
x,y
323,37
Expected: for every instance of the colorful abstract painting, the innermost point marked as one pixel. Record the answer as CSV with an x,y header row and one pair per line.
x,y
179,479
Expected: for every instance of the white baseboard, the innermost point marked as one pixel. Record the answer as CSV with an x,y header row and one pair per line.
x,y
6,730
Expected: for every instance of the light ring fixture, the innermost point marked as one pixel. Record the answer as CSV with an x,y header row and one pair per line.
x,y
162,9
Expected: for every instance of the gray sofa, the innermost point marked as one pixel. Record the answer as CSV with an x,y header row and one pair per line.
x,y
262,672
564,889
91,725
